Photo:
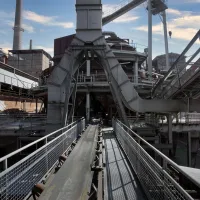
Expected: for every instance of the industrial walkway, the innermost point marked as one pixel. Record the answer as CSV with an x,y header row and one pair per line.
x,y
147,178
122,182
73,180
15,77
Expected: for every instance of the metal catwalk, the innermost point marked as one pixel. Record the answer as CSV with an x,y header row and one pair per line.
x,y
73,180
122,183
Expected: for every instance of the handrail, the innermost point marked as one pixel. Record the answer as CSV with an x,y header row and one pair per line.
x,y
161,81
31,144
24,83
18,71
17,181
169,161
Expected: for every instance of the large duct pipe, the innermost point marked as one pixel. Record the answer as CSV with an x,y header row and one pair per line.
x,y
18,26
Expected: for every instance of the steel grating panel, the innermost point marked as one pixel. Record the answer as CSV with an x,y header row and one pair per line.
x,y
111,156
114,176
130,191
122,184
126,178
117,154
118,194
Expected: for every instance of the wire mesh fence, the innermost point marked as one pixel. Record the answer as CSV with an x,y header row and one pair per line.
x,y
156,181
17,180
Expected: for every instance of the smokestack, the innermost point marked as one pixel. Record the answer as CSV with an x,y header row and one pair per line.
x,y
31,42
18,26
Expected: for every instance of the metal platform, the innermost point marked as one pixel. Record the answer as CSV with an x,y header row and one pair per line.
x,y
122,182
73,180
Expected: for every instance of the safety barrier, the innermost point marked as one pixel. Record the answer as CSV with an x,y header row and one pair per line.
x,y
154,178
16,82
17,180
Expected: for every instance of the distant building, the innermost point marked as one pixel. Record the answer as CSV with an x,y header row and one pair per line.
x,y
32,61
159,62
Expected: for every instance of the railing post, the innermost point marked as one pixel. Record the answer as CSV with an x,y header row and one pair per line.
x,y
46,156
164,166
5,164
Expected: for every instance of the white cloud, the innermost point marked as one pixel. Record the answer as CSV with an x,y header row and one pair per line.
x,y
183,27
26,27
49,50
191,1
126,18
5,15
46,20
6,46
173,11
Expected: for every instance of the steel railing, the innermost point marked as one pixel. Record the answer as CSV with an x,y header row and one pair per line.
x,y
17,82
18,72
154,177
180,80
17,180
83,78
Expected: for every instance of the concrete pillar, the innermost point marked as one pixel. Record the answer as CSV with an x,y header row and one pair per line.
x,y
88,94
88,68
36,106
166,39
24,105
169,120
150,39
136,72
189,150
194,138
88,106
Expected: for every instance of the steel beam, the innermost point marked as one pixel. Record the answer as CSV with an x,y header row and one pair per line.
x,y
122,11
150,39
166,38
136,72
176,62
189,150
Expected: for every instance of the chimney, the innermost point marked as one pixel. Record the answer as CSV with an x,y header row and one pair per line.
x,y
18,26
31,43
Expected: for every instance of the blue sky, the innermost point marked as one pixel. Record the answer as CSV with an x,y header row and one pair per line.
x,y
45,20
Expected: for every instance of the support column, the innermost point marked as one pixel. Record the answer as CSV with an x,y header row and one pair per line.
x,y
24,105
170,136
136,72
88,106
88,94
170,129
88,68
166,39
189,150
150,39
36,110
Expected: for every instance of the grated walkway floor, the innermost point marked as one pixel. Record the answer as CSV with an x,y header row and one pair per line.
x,y
121,182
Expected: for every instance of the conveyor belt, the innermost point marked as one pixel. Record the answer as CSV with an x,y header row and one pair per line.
x,y
122,183
73,180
